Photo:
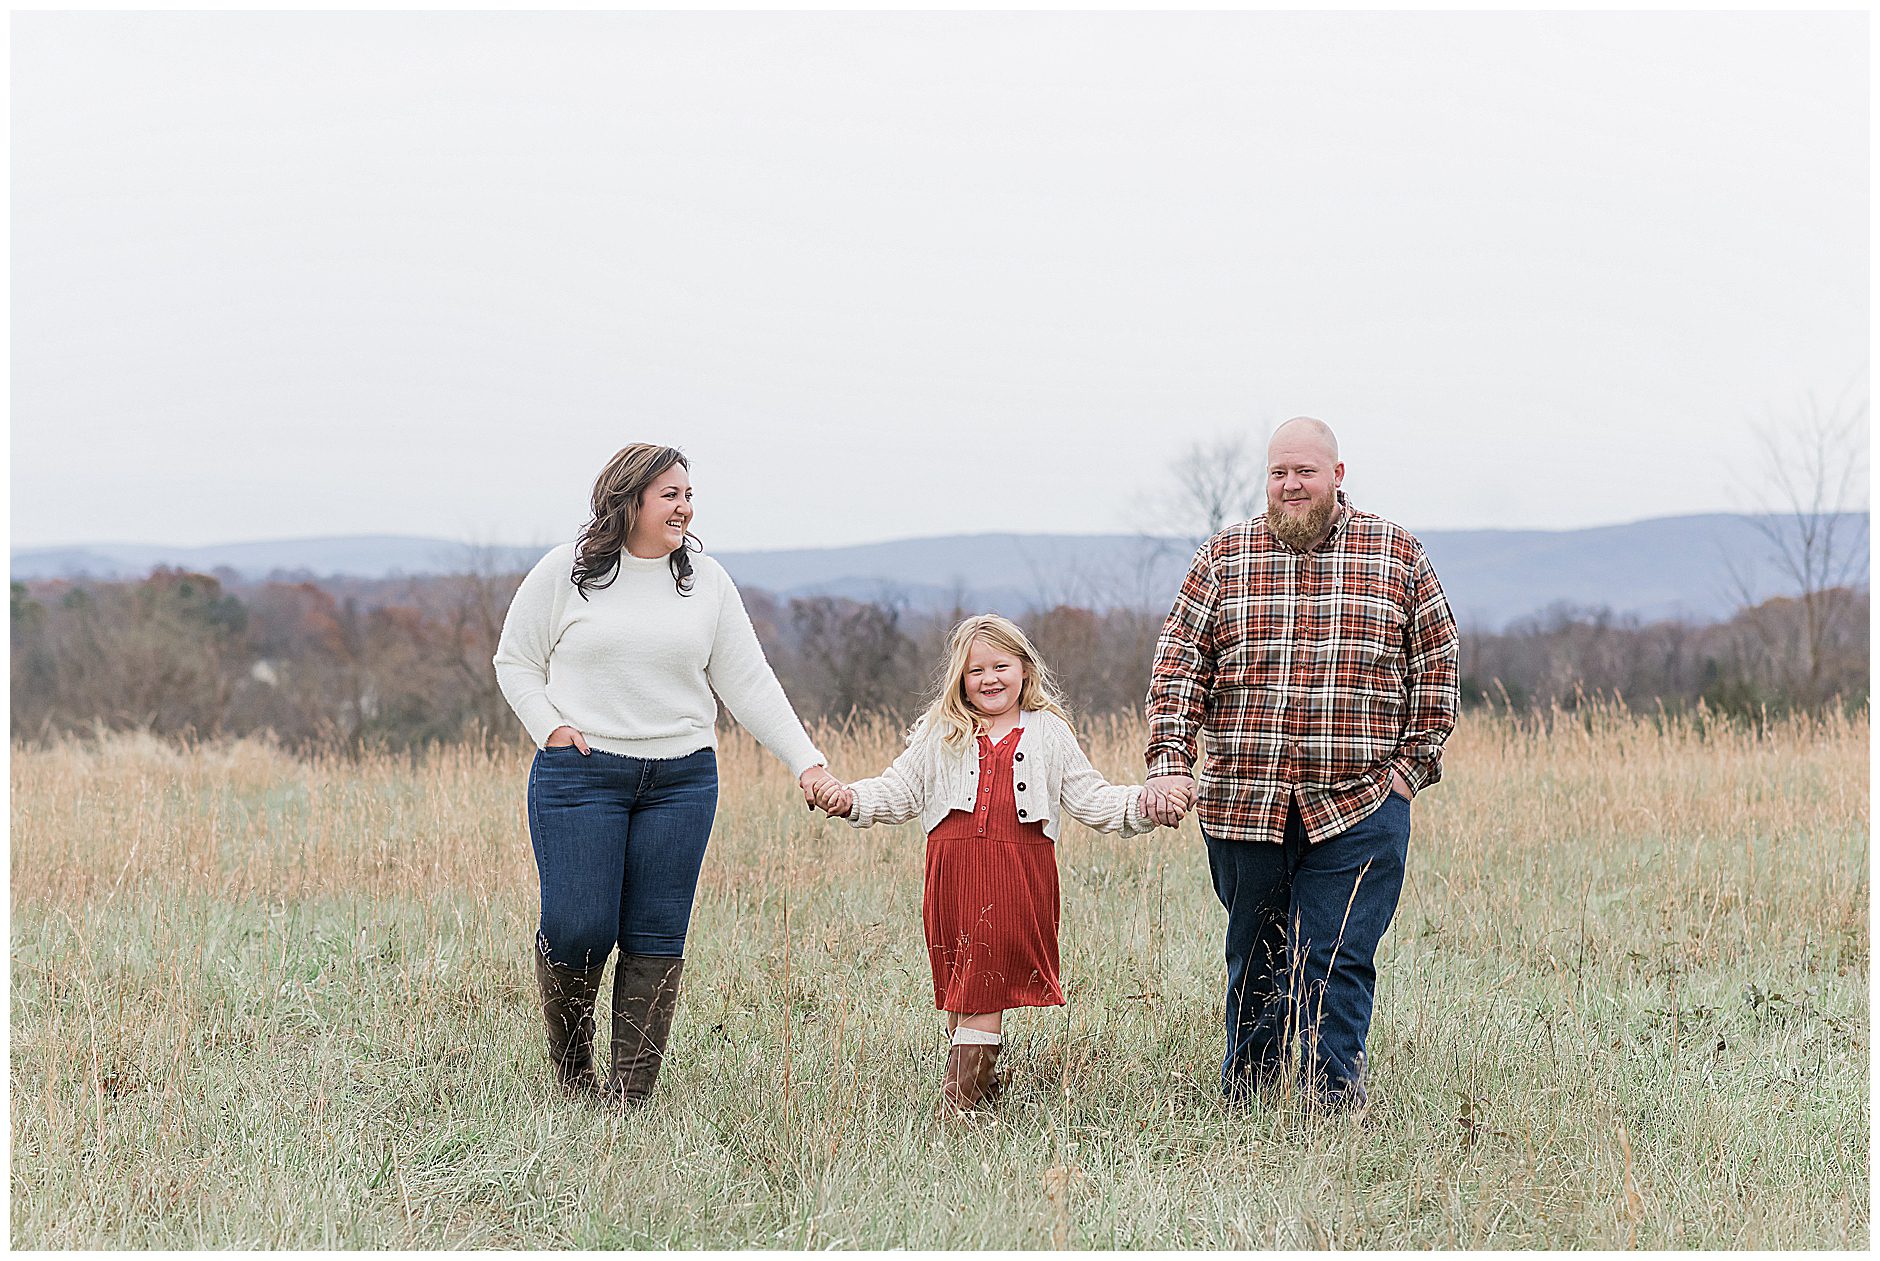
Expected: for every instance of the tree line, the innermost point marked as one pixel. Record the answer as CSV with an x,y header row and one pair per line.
x,y
356,663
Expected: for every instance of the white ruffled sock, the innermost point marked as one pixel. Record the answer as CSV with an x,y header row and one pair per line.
x,y
962,1036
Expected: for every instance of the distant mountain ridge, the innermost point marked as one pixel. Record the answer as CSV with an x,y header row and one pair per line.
x,y
1665,567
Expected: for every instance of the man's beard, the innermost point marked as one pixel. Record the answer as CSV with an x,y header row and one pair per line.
x,y
1300,532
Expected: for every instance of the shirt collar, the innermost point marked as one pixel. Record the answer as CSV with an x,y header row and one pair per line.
x,y
1339,518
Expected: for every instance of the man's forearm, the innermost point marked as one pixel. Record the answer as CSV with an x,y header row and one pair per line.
x,y
1418,771
1174,727
1419,755
1181,672
1167,759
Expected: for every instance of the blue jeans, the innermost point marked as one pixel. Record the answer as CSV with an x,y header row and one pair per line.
x,y
618,844
1301,947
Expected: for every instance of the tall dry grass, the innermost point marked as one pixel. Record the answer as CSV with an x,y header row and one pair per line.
x,y
266,1001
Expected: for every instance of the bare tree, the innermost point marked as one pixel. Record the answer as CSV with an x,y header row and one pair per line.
x,y
1812,519
1211,483
476,599
1220,480
854,657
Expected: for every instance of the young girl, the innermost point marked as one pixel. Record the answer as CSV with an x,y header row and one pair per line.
x,y
990,769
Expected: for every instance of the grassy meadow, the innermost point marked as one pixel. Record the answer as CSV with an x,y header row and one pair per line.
x,y
265,1001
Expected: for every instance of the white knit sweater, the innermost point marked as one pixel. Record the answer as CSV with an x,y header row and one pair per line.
x,y
633,666
1051,777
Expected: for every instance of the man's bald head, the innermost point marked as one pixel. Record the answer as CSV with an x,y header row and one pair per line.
x,y
1305,431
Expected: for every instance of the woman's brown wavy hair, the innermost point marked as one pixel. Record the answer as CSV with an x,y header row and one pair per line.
x,y
616,506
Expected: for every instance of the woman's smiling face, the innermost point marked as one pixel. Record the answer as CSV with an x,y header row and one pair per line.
x,y
665,513
993,679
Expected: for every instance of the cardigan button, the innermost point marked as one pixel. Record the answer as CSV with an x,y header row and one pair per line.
x,y
1018,757
1021,814
1021,788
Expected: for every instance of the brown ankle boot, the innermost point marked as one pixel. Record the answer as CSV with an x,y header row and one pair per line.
x,y
991,1083
646,993
568,996
970,1083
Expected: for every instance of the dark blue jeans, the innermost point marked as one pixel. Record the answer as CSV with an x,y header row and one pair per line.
x,y
618,844
1301,946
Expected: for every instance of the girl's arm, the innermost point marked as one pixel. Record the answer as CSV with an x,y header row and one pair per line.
x,y
897,794
1095,802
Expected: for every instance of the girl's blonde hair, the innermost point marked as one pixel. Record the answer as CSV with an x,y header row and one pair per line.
x,y
952,715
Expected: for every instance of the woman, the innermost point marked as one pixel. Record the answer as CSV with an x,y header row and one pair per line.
x,y
610,654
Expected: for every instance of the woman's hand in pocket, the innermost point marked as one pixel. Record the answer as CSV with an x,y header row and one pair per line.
x,y
563,736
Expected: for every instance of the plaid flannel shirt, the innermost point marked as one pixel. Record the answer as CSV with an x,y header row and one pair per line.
x,y
1314,674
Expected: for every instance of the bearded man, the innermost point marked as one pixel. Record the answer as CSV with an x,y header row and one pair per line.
x,y
1314,646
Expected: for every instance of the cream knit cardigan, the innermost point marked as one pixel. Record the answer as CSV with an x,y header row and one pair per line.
x,y
1051,778
633,666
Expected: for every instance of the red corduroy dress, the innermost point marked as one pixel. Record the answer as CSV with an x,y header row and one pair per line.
x,y
991,904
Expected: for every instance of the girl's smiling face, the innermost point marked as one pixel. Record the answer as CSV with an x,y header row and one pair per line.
x,y
993,679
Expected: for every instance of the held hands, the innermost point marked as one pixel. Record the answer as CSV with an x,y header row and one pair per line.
x,y
1166,798
837,799
824,791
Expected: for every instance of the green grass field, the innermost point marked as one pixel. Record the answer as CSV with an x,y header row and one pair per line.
x,y
259,1001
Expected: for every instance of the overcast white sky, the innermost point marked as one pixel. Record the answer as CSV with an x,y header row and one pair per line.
x,y
888,275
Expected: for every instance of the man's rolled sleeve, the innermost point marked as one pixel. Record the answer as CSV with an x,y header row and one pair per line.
x,y
1183,671
1431,645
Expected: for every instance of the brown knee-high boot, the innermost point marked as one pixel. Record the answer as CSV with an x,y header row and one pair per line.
x,y
568,997
646,993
